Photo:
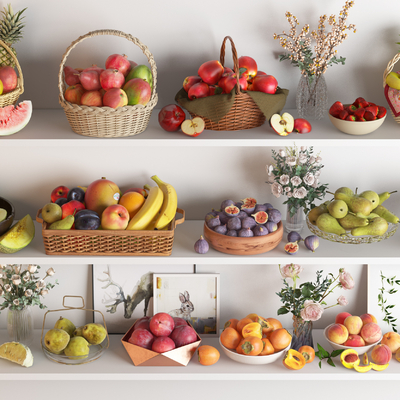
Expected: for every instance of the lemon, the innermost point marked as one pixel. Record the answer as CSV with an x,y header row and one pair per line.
x,y
16,352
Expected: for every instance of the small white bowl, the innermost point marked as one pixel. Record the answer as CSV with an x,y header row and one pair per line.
x,y
356,127
359,350
253,360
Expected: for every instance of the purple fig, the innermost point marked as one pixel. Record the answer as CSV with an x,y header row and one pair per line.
x,y
201,246
248,222
234,223
291,248
232,232
274,215
221,229
311,242
260,230
222,217
231,211
245,232
213,222
269,206
260,207
243,214
271,226
294,237
227,203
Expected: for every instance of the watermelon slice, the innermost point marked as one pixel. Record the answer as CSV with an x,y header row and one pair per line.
x,y
14,118
18,236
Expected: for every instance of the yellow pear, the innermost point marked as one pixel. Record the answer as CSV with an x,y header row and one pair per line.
x,y
329,224
66,325
94,333
351,221
77,348
377,227
56,340
317,211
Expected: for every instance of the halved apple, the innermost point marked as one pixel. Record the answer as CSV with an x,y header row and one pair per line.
x,y
282,124
193,127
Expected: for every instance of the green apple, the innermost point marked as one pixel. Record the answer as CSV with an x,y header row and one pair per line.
x,y
141,71
393,80
51,212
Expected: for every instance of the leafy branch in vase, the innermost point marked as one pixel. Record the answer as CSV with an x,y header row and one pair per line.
x,y
382,301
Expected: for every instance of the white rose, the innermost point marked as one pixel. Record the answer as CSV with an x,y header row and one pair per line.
x,y
16,279
16,302
315,184
289,194
318,159
302,158
296,180
303,148
282,153
50,272
7,288
291,161
44,292
26,277
312,160
300,193
32,268
40,284
17,269
276,189
28,293
309,178
317,174
284,179
287,189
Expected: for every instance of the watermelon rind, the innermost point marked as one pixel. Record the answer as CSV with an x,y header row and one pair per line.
x,y
18,236
17,120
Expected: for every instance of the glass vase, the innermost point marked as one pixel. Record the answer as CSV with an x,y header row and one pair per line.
x,y
312,97
20,325
294,222
302,333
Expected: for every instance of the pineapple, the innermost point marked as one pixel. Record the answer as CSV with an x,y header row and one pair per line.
x,y
10,33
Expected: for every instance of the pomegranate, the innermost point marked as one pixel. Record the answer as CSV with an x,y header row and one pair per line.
x,y
9,78
90,80
71,76
119,62
111,78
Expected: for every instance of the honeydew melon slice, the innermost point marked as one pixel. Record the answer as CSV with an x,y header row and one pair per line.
x,y
18,236
16,352
14,118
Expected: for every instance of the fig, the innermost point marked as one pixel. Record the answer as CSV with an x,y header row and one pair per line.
x,y
246,232
231,211
260,207
248,208
248,222
221,229
311,242
231,232
213,222
239,204
261,217
201,246
260,230
234,223
291,248
274,215
242,214
269,206
271,226
211,214
227,203
294,237
222,217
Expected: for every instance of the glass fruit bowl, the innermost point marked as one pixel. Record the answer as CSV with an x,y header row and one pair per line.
x,y
95,350
348,238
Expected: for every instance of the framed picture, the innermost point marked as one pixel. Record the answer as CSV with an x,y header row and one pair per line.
x,y
193,297
124,293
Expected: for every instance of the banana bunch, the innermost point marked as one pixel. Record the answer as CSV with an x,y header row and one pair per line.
x,y
158,209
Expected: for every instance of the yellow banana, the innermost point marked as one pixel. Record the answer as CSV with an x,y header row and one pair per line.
x,y
168,208
148,211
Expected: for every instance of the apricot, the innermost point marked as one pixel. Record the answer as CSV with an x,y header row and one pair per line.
x,y
392,340
366,318
371,332
337,333
353,323
381,354
341,317
354,341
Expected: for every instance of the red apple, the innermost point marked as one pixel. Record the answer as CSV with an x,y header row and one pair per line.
x,y
71,208
183,335
114,98
73,94
142,191
301,125
171,117
210,72
193,127
119,62
138,91
90,80
142,338
92,98
227,69
179,321
250,65
229,81
265,83
115,217
9,78
189,81
161,324
282,124
199,90
163,344
58,192
100,194
111,78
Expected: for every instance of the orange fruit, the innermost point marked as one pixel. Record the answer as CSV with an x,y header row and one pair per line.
x,y
268,348
239,346
280,339
230,338
231,323
275,323
252,329
241,324
308,353
252,346
208,355
132,201
253,317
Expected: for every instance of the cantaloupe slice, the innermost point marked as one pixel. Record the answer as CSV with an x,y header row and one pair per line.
x,y
16,352
18,236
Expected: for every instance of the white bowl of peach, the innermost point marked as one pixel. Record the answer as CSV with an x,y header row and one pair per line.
x,y
360,333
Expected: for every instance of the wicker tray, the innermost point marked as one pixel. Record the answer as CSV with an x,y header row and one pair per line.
x,y
108,242
387,71
105,121
11,98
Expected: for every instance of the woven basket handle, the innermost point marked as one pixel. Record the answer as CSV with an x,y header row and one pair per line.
x,y
389,67
137,42
180,220
38,219
21,78
235,60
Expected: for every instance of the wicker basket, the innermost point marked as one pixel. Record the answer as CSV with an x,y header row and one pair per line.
x,y
105,121
389,69
12,97
108,242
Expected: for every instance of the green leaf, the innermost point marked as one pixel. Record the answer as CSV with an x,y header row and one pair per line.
x,y
320,364
306,292
336,353
322,351
282,310
330,362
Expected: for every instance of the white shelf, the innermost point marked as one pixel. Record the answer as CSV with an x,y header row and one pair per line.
x,y
115,365
183,252
49,127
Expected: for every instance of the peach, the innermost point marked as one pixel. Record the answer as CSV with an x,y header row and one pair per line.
x,y
337,333
366,318
371,332
381,354
354,341
353,324
341,317
392,340
397,355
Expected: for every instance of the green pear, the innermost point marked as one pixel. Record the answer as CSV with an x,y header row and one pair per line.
x,y
344,190
338,208
94,333
372,196
78,331
393,80
351,221
316,212
56,340
386,214
377,227
65,223
66,325
329,224
355,203
384,196
77,348
51,212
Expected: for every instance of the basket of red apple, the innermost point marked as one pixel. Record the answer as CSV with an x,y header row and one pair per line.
x,y
12,83
114,101
231,99
161,340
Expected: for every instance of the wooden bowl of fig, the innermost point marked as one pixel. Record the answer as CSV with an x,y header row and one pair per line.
x,y
243,246
7,222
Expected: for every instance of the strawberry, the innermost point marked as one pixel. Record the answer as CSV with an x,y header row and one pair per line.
x,y
371,104
343,114
359,113
373,109
350,109
363,104
381,112
350,118
369,116
335,109
358,101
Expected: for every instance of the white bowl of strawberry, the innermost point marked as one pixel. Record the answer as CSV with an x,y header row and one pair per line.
x,y
359,118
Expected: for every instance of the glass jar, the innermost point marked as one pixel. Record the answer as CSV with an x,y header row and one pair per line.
x,y
302,333
294,222
312,97
20,325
